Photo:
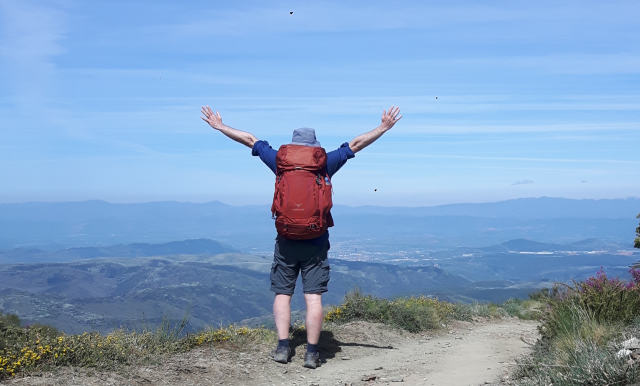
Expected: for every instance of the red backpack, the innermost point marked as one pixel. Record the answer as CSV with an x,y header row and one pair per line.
x,y
302,197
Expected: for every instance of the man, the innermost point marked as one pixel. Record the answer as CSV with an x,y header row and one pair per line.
x,y
307,256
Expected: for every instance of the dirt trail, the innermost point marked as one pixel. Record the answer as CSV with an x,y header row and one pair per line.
x,y
469,354
359,353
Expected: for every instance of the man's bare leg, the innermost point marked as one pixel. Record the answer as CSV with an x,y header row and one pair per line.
x,y
314,317
282,314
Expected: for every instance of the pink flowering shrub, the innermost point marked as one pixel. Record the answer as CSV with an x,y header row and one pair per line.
x,y
598,298
635,275
609,299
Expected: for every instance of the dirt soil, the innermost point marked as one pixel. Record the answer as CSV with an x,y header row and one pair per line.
x,y
357,353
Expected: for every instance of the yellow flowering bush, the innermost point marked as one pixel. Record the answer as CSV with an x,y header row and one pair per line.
x,y
14,359
229,334
335,314
24,349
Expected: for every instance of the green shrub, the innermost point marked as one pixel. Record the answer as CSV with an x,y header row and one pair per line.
x,y
598,298
418,313
582,362
24,349
524,309
581,330
487,310
412,314
9,320
609,299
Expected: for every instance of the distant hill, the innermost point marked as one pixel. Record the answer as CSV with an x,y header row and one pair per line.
x,y
526,261
139,287
594,244
54,226
525,245
521,208
191,247
103,294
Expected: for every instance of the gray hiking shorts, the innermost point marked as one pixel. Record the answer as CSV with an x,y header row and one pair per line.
x,y
291,257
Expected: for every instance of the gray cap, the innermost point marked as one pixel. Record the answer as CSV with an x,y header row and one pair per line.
x,y
304,136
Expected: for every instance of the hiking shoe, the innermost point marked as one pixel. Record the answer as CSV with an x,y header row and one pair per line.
x,y
282,354
311,359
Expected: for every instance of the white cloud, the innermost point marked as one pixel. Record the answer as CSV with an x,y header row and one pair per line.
x,y
420,104
333,17
31,38
340,16
389,155
574,63
159,74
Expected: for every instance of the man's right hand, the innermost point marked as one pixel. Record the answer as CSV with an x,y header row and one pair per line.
x,y
389,118
213,119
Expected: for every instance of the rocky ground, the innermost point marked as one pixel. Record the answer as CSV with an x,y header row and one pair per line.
x,y
357,353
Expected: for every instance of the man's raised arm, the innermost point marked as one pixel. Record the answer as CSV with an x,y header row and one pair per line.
x,y
389,118
215,121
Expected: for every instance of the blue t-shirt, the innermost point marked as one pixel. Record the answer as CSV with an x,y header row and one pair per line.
x,y
335,160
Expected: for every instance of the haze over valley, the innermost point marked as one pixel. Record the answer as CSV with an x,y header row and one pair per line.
x,y
96,265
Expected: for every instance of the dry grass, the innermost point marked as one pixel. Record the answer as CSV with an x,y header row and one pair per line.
x,y
37,348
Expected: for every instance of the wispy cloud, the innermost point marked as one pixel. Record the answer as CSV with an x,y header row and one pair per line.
x,y
575,63
523,182
505,158
340,16
415,127
160,74
332,17
409,104
31,38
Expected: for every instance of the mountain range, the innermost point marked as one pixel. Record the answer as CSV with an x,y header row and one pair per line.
x,y
184,247
94,265
56,225
141,284
103,294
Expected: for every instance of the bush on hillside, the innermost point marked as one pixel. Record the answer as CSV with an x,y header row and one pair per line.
x,y
412,314
636,242
528,309
611,299
8,320
420,313
582,328
37,347
599,298
579,361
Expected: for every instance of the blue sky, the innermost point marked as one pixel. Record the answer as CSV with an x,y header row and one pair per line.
x,y
101,100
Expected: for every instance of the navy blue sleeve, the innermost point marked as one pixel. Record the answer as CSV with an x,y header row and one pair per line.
x,y
266,152
338,157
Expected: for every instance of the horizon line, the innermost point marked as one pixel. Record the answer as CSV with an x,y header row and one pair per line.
x,y
343,205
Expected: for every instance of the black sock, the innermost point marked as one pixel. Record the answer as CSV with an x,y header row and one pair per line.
x,y
283,342
312,347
